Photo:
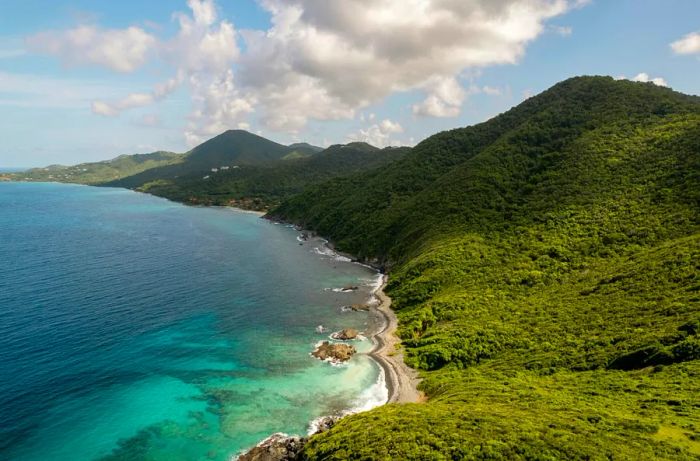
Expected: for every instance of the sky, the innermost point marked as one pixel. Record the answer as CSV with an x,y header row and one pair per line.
x,y
88,80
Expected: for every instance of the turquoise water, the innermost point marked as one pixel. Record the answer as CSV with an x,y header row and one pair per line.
x,y
134,328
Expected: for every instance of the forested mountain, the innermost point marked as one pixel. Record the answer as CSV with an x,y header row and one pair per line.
x,y
231,148
264,185
545,269
235,168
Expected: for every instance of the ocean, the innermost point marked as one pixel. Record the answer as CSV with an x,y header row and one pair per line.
x,y
135,328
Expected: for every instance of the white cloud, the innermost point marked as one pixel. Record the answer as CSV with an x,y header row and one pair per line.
x,y
204,52
446,96
202,44
319,60
444,99
134,100
122,50
491,91
644,78
379,134
343,56
218,106
689,44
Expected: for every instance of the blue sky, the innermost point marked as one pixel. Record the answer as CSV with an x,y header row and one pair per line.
x,y
90,80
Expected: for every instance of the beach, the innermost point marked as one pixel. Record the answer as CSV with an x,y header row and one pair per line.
x,y
401,380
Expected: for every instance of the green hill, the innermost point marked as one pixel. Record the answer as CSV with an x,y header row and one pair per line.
x,y
302,150
235,168
233,147
545,269
262,186
100,172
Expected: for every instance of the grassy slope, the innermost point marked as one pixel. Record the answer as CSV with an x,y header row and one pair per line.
x,y
100,172
545,271
262,186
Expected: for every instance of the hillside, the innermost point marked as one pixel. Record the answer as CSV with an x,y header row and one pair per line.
x,y
233,147
302,150
100,172
545,269
263,186
235,168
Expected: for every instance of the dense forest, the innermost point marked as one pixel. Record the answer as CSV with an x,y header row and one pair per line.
x,y
545,269
264,185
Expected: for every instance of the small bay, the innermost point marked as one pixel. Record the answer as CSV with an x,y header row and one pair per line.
x,y
135,328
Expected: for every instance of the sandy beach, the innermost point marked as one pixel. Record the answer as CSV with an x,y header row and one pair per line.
x,y
401,380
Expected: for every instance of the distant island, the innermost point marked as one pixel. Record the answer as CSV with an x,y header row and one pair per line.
x,y
544,267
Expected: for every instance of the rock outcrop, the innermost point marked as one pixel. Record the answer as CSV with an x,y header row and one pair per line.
x,y
345,334
358,307
334,352
281,447
277,447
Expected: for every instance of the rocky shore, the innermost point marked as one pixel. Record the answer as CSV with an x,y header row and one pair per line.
x,y
401,380
336,353
345,334
282,447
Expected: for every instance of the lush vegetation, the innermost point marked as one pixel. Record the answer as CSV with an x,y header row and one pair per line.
x,y
231,148
545,269
544,266
235,168
100,172
264,185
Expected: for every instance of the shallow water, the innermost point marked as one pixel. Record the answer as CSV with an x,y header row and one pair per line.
x,y
136,328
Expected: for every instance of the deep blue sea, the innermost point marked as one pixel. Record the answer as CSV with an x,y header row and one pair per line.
x,y
134,328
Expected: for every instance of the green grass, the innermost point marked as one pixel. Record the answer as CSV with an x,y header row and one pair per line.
x,y
100,172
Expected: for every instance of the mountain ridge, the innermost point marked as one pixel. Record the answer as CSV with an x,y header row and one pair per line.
x,y
544,270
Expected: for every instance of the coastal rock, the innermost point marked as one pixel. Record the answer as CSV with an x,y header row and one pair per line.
x,y
281,447
324,424
357,307
334,352
345,334
277,447
350,288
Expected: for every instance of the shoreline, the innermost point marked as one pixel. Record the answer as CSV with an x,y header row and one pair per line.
x,y
401,380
